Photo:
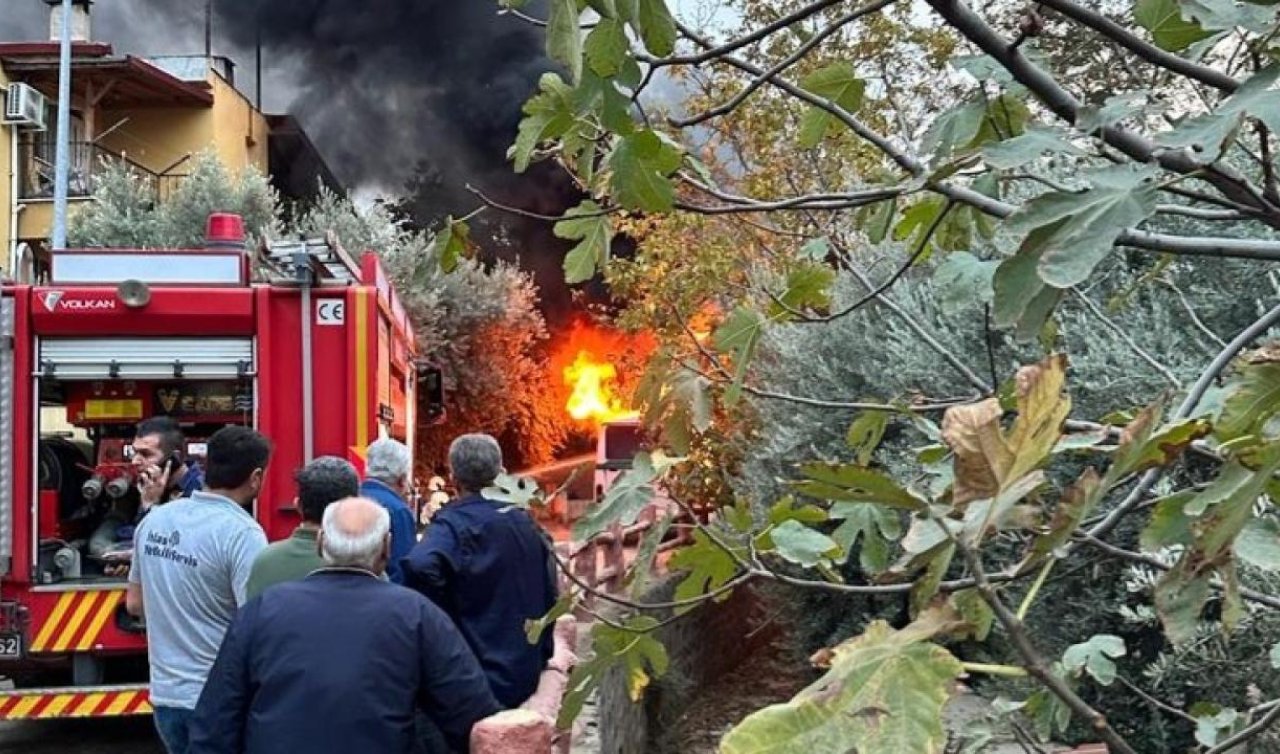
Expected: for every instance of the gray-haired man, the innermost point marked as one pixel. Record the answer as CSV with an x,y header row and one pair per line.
x,y
341,660
488,566
387,473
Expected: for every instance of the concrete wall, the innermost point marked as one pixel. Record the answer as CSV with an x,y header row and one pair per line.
x,y
156,138
702,646
36,219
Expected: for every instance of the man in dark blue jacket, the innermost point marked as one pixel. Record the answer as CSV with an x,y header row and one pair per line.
x,y
387,474
488,566
341,660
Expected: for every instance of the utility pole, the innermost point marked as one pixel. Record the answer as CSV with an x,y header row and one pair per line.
x,y
257,60
62,155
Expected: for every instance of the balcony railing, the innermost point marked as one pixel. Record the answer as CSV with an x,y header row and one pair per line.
x,y
88,161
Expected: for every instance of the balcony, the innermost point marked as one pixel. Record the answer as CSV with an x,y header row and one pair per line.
x,y
88,160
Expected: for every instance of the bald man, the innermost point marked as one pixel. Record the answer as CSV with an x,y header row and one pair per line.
x,y
341,660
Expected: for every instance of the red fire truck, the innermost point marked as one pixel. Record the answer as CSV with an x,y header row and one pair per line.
x,y
297,339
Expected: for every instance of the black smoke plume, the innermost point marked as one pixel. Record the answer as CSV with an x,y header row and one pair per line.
x,y
422,95
416,98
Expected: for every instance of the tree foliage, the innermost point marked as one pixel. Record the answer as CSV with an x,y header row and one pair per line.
x,y
126,210
482,326
965,286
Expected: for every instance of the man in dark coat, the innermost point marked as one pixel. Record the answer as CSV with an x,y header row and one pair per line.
x,y
341,660
488,566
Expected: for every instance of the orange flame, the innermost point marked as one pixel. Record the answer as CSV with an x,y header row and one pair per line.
x,y
593,386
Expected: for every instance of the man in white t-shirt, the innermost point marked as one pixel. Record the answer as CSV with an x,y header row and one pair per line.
x,y
191,566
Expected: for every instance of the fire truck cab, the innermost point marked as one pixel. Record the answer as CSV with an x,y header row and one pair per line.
x,y
298,340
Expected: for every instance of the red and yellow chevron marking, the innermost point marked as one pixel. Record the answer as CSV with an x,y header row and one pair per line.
x,y
16,705
76,621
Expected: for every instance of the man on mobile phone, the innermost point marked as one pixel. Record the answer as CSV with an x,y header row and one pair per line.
x,y
162,472
160,461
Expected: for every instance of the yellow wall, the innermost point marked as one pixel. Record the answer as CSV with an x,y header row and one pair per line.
x,y
7,134
36,219
239,131
157,139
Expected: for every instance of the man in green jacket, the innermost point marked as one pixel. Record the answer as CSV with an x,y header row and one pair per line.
x,y
323,481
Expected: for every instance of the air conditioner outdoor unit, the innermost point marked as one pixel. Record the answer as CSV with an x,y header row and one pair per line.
x,y
24,106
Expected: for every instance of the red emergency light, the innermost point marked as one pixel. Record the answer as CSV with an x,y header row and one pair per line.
x,y
224,231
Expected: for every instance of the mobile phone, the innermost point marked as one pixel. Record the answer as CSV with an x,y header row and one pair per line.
x,y
172,463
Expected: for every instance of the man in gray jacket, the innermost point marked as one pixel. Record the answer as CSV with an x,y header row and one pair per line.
x,y
191,566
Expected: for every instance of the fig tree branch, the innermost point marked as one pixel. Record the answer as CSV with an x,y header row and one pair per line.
x,y
1184,410
878,291
1161,242
1142,48
1154,702
711,52
1066,106
1033,660
1146,560
567,569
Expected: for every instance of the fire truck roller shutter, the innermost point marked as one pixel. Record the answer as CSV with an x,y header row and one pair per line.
x,y
145,358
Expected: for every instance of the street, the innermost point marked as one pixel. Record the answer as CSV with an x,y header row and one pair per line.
x,y
129,735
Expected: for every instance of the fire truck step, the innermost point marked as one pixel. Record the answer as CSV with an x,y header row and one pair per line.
x,y
74,701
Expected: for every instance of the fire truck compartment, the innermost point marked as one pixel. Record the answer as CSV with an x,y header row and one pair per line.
x,y
91,396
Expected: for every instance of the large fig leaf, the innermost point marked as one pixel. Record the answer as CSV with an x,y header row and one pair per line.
x,y
855,484
883,694
548,115
1021,299
1209,134
1117,198
987,459
837,83
591,229
564,40
1253,398
1169,30
871,524
1146,444
642,163
627,496
1219,512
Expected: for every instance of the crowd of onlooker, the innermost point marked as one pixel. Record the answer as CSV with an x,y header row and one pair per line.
x,y
355,634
